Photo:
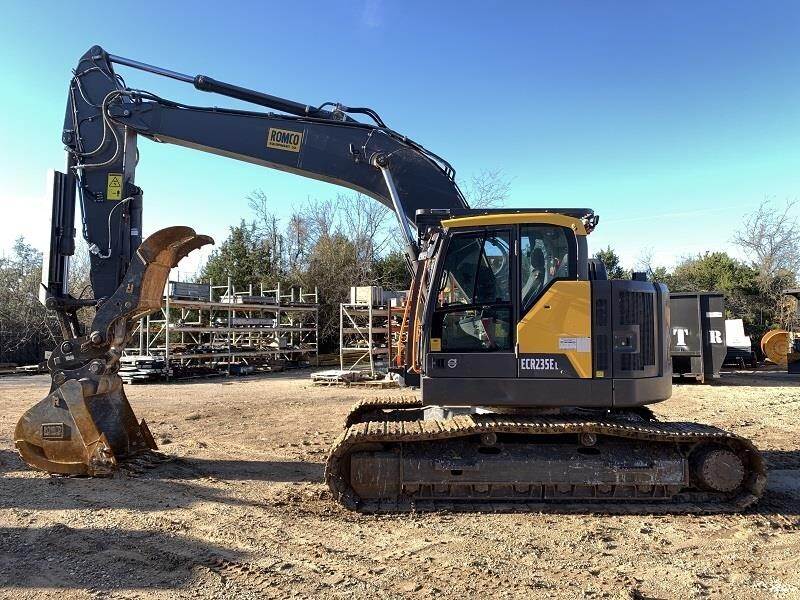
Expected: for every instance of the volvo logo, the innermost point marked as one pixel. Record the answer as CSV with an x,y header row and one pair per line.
x,y
452,363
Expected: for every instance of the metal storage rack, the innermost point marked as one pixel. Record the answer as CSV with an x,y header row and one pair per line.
x,y
232,327
368,336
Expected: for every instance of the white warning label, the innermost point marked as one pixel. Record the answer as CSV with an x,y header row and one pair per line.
x,y
576,344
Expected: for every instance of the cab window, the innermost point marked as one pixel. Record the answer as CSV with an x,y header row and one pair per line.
x,y
474,294
476,270
547,253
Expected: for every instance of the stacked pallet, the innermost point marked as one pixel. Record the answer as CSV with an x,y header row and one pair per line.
x,y
142,369
31,369
339,377
248,299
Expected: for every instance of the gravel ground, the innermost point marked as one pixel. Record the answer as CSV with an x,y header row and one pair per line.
x,y
243,512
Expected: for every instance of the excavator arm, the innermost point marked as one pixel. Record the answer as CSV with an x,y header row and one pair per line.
x,y
104,119
85,425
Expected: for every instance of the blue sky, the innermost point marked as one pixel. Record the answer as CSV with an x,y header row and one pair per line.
x,y
672,120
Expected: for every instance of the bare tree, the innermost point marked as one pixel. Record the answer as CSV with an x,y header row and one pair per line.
x,y
365,220
330,244
296,247
80,285
487,189
771,240
266,224
645,263
321,217
25,326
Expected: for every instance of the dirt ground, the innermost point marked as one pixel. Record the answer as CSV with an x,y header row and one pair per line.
x,y
243,513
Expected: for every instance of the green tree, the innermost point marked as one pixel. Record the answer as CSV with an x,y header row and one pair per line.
x,y
26,329
712,271
242,256
612,262
333,267
719,272
391,272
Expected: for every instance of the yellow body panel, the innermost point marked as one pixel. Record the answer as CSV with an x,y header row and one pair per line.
x,y
560,323
513,218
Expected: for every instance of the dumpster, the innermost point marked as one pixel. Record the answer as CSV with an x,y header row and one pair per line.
x,y
793,358
697,328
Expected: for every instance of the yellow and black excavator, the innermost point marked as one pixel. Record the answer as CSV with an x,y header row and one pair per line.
x,y
535,370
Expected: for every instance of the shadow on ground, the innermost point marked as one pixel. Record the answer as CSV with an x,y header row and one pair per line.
x,y
261,470
101,559
757,379
181,483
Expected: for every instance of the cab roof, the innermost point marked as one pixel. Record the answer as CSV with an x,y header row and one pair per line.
x,y
581,220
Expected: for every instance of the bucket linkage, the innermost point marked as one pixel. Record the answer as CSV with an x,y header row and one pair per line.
x,y
85,426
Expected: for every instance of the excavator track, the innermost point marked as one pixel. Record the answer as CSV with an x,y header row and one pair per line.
x,y
650,467
378,409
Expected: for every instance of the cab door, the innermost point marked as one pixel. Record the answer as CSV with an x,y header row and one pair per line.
x,y
554,328
473,326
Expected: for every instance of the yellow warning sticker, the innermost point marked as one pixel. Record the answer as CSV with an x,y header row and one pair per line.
x,y
284,139
114,188
436,344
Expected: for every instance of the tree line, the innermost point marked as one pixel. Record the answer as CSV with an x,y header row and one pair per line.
x,y
351,239
769,241
331,244
325,244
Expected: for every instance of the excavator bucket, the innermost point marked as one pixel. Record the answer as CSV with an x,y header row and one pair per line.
x,y
74,431
86,426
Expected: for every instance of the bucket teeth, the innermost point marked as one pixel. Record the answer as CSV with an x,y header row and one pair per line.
x,y
168,246
188,246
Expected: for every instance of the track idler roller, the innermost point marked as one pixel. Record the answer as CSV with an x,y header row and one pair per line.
x,y
717,469
86,426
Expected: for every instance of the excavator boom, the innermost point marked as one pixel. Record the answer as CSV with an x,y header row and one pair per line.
x,y
86,425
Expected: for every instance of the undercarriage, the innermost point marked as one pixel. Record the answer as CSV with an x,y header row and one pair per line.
x,y
391,458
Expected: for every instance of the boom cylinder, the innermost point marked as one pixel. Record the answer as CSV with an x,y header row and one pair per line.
x,y
208,84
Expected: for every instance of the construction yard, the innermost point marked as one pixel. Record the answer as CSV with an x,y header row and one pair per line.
x,y
242,512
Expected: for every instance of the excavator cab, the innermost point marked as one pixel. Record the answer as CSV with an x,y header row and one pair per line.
x,y
535,371
516,317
